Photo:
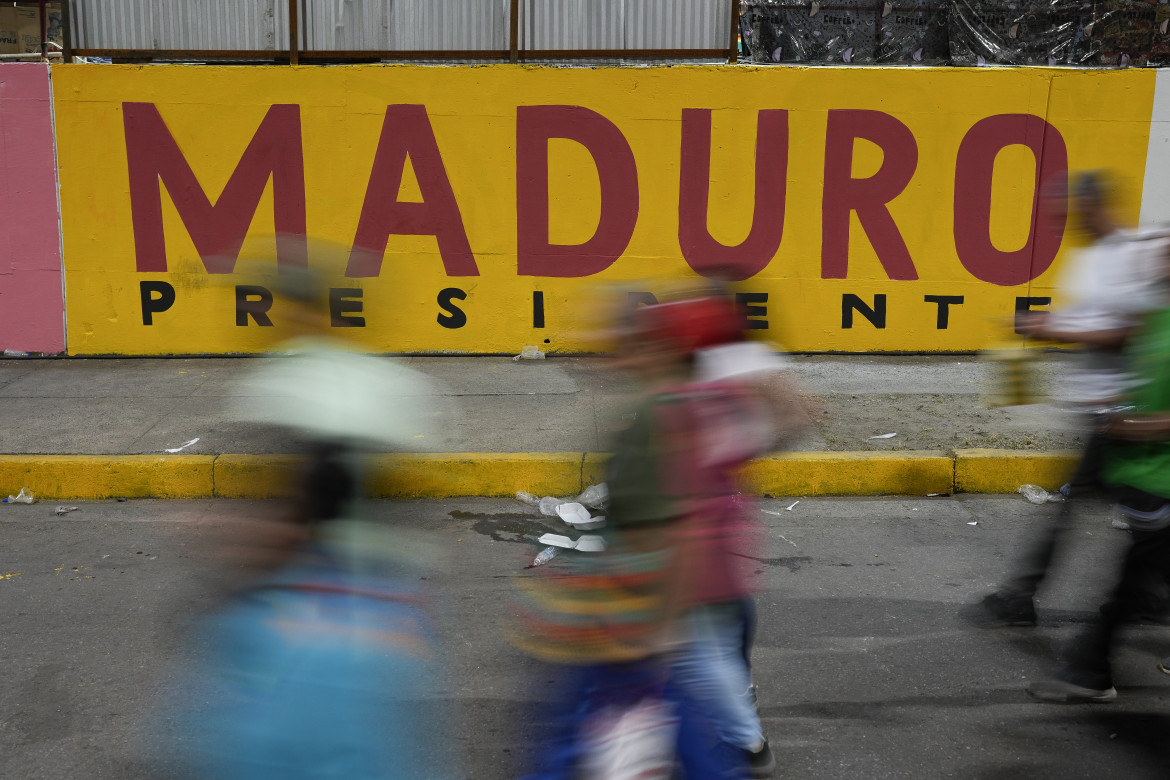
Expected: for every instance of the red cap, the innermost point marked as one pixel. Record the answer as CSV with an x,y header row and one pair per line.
x,y
693,323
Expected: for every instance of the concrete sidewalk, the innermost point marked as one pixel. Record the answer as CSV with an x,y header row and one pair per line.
x,y
102,427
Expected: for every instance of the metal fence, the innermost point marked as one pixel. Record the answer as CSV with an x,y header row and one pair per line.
x,y
297,31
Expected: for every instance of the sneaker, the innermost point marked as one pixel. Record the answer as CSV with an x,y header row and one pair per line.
x,y
997,610
761,763
1072,688
1164,665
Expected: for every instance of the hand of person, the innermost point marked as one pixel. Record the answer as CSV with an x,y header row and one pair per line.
x,y
1038,325
1031,324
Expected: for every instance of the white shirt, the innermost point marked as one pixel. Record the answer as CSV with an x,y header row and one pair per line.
x,y
1106,286
740,359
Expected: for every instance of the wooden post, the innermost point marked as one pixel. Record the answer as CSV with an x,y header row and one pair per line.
x,y
294,33
66,31
514,28
733,50
44,32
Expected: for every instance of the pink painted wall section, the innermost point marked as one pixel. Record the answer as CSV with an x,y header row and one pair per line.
x,y
31,299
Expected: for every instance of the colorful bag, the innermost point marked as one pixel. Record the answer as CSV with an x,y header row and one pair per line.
x,y
591,609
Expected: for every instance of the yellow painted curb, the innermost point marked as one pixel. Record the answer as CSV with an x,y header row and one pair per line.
x,y
1003,471
476,474
255,476
912,472
108,476
565,474
593,468
415,475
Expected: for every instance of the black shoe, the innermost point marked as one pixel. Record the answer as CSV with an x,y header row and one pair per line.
x,y
997,610
761,764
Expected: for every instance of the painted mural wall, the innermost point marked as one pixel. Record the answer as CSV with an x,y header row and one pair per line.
x,y
479,209
31,303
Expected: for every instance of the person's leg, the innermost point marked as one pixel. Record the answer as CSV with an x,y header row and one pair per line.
x,y
711,672
583,691
1011,604
1151,606
558,723
1146,597
1089,676
700,752
749,617
1033,565
1149,551
631,728
1087,477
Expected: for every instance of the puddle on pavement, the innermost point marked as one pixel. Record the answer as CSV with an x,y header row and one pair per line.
x,y
516,527
521,528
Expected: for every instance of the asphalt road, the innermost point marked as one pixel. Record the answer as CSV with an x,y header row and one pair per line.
x,y
863,666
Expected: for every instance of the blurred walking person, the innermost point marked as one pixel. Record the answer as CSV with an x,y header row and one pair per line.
x,y
702,413
1103,292
324,666
1135,470
714,402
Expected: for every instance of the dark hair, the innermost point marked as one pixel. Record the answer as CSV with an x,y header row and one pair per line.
x,y
1093,187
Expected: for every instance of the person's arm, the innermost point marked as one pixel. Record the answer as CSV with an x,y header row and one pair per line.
x,y
1038,326
754,416
1139,427
782,397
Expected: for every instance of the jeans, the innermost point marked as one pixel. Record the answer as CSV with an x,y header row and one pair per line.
x,y
583,689
711,671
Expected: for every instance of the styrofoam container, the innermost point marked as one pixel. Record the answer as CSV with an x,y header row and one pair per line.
x,y
590,543
577,516
556,540
573,513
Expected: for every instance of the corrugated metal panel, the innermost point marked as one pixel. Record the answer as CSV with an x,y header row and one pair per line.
x,y
677,24
622,24
572,24
620,62
180,24
215,24
343,24
405,25
451,24
122,24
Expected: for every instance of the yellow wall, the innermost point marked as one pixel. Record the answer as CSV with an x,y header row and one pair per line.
x,y
214,112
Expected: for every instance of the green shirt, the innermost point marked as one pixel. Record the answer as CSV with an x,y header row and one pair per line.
x,y
1146,465
635,472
